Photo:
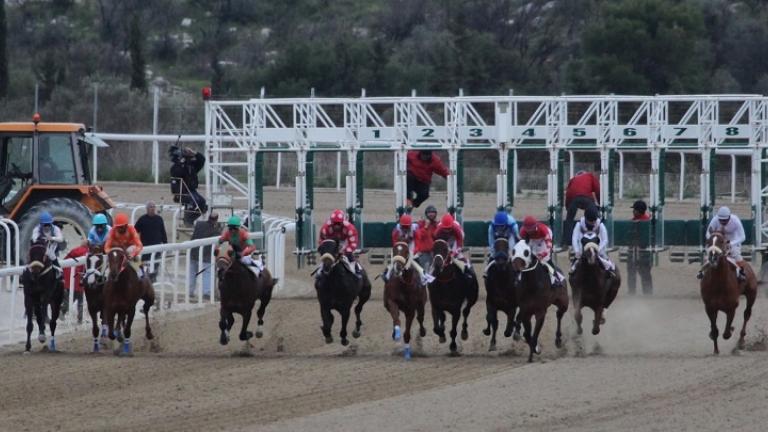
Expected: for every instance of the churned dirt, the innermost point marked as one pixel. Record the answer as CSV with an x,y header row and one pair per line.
x,y
651,368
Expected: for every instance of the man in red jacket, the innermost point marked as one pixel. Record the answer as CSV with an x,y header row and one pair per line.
x,y
421,165
425,236
582,191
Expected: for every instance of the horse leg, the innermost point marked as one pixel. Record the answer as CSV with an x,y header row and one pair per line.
x,y
713,333
127,348
751,295
407,335
325,313
420,319
119,327
363,298
223,326
28,311
577,315
345,313
149,300
454,324
40,312
598,320
394,311
730,314
245,335
94,327
561,310
437,315
55,311
263,303
539,324
491,317
526,321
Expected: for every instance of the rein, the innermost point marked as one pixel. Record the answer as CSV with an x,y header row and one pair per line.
x,y
525,270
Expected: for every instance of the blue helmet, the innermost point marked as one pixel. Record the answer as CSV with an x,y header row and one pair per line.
x,y
45,218
501,218
591,213
99,219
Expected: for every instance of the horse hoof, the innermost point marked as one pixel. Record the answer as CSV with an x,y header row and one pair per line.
x,y
538,349
455,354
246,336
422,332
726,335
223,339
487,332
442,339
259,334
120,338
507,333
741,345
579,331
328,339
516,337
407,353
492,348
355,334
26,353
558,343
52,346
41,338
464,335
596,331
345,341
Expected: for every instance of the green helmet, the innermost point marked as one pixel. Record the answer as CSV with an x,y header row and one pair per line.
x,y
234,220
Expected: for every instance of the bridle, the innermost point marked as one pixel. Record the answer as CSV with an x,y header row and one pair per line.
x,y
400,262
37,267
94,262
714,252
123,261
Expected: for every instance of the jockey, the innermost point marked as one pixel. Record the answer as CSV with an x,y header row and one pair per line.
x,y
504,226
406,232
450,230
730,226
125,236
539,238
53,237
590,222
237,237
99,231
344,232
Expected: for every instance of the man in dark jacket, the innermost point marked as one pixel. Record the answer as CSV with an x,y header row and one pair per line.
x,y
184,183
151,229
203,229
640,259
421,165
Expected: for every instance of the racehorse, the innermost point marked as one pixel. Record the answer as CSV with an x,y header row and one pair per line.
x,y
93,282
122,291
720,290
337,287
590,285
42,287
403,292
500,288
448,292
535,294
240,289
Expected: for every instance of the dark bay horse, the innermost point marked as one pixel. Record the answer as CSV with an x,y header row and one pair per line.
x,y
448,293
240,289
500,288
403,292
535,294
93,283
42,288
720,290
337,288
590,285
122,291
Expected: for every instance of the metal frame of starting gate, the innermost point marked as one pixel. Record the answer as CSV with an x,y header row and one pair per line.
x,y
239,132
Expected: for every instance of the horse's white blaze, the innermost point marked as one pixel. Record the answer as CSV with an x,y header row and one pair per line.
x,y
589,246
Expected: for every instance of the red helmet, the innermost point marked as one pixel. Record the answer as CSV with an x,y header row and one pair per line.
x,y
337,216
530,222
406,221
446,221
121,219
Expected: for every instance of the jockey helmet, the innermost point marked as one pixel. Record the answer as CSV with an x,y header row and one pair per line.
x,y
501,218
337,216
406,221
234,221
530,223
724,213
591,213
446,221
121,219
99,219
46,218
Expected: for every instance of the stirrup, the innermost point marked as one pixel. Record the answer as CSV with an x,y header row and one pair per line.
x,y
700,275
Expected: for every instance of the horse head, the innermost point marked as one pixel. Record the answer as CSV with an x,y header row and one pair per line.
x,y
522,256
117,259
590,246
225,256
329,252
400,256
441,254
94,263
717,247
37,258
501,251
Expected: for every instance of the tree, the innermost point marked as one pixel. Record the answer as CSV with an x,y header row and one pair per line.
x,y
138,65
3,52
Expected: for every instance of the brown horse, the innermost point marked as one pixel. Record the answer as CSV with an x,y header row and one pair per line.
x,y
535,294
500,288
42,288
403,292
448,293
122,291
240,289
93,281
590,284
720,289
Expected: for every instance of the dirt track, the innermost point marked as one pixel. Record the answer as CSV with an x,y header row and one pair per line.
x,y
650,369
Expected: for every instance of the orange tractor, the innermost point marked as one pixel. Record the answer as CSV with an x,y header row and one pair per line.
x,y
44,167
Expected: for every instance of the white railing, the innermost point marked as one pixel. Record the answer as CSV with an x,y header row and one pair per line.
x,y
172,277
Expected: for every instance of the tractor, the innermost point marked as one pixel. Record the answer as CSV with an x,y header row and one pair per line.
x,y
44,167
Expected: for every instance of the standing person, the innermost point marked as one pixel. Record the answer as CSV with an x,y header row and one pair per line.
x,y
639,260
184,183
582,191
203,229
76,280
151,229
421,165
425,236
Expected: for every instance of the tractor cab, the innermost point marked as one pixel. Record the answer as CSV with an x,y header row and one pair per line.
x,y
44,167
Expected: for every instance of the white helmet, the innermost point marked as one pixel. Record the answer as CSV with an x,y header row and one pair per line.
x,y
723,213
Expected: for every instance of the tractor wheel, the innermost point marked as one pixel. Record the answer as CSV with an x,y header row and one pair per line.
x,y
72,216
